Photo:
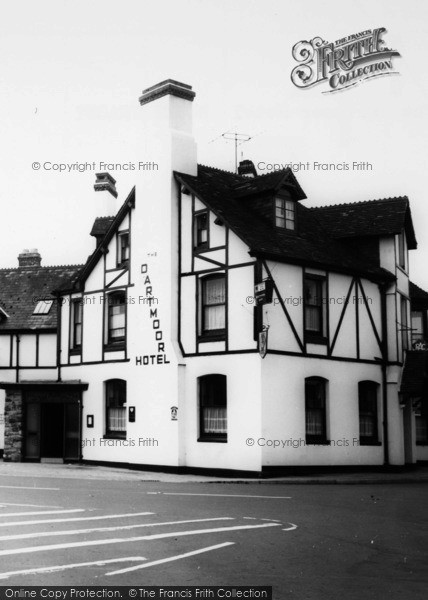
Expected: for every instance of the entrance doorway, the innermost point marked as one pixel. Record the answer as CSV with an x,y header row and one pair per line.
x,y
52,426
52,430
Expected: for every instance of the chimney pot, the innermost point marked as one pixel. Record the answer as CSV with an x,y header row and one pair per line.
x,y
29,258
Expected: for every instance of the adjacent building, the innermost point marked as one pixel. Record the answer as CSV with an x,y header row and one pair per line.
x,y
219,324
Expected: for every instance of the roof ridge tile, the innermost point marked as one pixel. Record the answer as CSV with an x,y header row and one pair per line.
x,y
373,200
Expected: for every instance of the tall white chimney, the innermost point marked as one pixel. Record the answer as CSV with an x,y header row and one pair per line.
x,y
167,119
105,186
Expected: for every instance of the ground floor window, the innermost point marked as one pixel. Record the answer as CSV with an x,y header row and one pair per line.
x,y
212,408
368,412
421,427
315,410
116,407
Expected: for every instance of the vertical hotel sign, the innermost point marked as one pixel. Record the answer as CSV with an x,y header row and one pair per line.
x,y
343,63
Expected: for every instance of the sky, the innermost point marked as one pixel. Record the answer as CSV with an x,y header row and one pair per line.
x,y
71,73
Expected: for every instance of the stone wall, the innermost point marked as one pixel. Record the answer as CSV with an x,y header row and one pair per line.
x,y
14,426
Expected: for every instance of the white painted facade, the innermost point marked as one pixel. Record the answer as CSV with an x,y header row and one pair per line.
x,y
163,354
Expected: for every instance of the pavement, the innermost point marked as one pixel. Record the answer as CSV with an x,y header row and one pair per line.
x,y
415,474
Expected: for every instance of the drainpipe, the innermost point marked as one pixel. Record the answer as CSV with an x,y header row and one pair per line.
x,y
382,288
58,336
18,341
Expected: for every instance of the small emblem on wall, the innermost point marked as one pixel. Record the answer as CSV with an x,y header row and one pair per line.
x,y
174,413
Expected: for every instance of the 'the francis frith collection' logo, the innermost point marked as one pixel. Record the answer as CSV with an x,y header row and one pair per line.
x,y
342,63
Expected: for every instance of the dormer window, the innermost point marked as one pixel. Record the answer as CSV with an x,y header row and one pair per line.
x,y
200,230
285,213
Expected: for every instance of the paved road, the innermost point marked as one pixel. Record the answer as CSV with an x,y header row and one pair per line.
x,y
308,542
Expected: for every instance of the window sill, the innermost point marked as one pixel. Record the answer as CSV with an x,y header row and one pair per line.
x,y
311,338
369,442
286,229
212,337
198,249
115,436
317,442
75,351
403,270
123,265
216,439
425,443
117,347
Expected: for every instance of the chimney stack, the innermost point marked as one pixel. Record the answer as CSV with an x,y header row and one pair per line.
x,y
105,182
105,204
169,86
166,121
247,168
29,258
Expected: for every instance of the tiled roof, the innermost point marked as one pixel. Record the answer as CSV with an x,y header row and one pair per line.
x,y
417,293
312,244
369,218
271,181
414,381
20,290
101,226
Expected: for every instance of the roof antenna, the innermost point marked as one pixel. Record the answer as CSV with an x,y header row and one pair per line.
x,y
238,138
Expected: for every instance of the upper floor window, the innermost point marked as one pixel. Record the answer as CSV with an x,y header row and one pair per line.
x,y
404,324
116,318
76,324
200,233
212,408
315,410
402,250
285,213
368,412
123,249
115,390
418,326
213,305
315,307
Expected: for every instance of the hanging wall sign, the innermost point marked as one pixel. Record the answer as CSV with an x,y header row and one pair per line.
x,y
263,342
263,292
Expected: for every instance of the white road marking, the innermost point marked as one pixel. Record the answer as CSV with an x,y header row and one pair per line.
x,y
172,558
23,536
292,528
55,569
159,536
3,504
21,487
130,540
74,519
225,495
42,512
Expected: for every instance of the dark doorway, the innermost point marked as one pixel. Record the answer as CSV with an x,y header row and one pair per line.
x,y
52,430
52,426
